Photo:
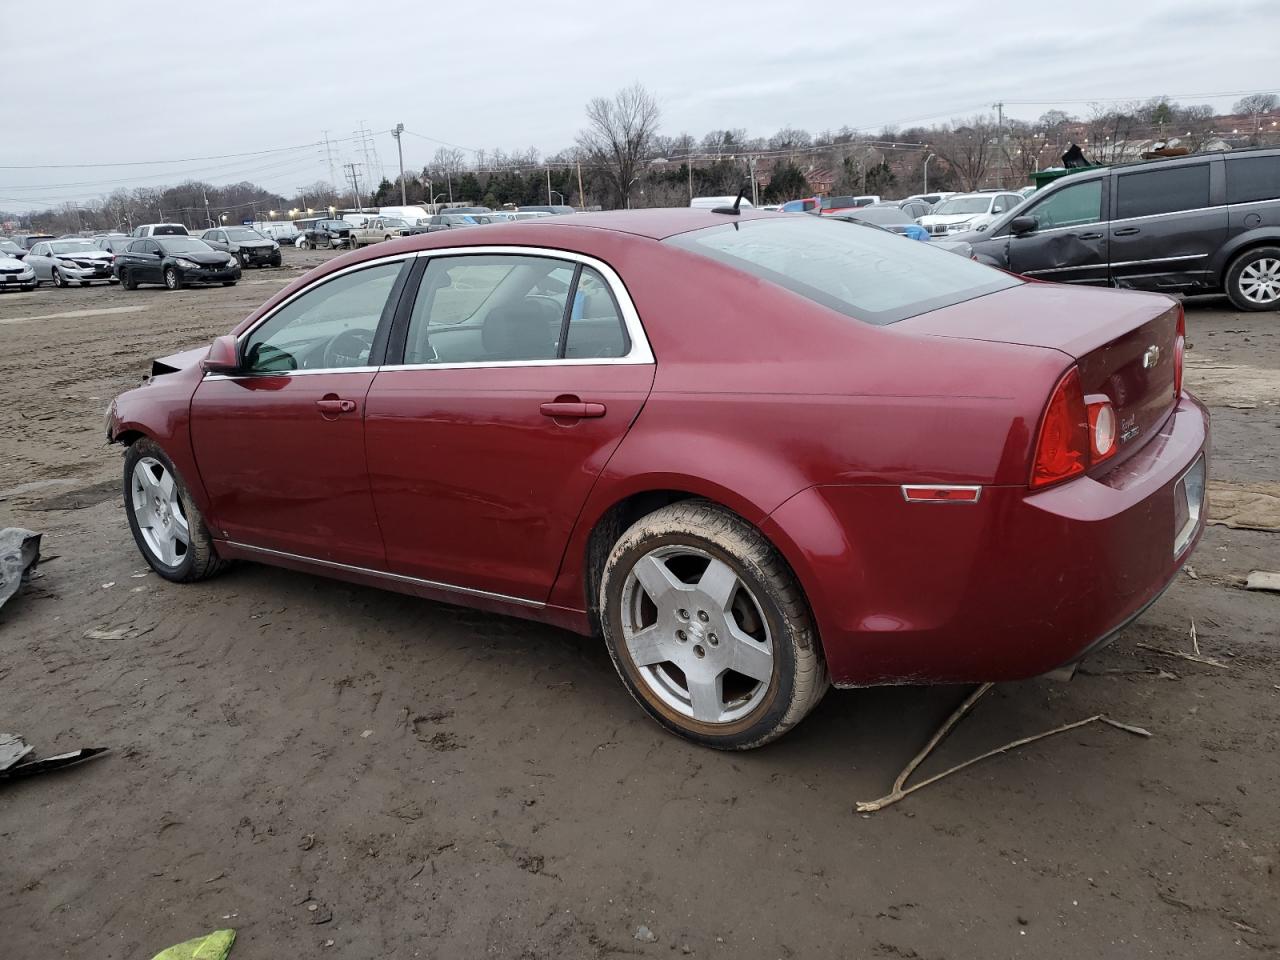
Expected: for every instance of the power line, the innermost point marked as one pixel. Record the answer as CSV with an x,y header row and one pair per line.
x,y
154,163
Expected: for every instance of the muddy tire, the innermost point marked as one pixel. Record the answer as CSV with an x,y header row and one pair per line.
x,y
166,524
709,629
1253,280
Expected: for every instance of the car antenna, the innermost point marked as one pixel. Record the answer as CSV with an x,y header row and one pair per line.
x,y
742,192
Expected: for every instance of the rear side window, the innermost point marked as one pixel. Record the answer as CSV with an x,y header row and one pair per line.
x,y
1253,178
1162,191
857,270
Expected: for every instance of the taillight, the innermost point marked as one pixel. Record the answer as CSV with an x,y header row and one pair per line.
x,y
1062,447
1179,348
1102,427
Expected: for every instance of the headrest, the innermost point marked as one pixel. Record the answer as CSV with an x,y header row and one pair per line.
x,y
526,330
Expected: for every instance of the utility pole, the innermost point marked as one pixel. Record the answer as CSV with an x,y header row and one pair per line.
x,y
1000,138
582,197
328,150
548,185
399,129
755,195
689,161
354,175
926,171
208,219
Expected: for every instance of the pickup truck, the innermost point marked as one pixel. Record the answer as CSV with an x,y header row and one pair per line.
x,y
326,233
380,228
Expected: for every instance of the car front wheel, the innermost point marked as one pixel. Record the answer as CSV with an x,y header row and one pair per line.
x,y
709,629
171,278
1253,280
58,279
166,524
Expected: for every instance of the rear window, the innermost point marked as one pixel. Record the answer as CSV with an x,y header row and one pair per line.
x,y
1162,191
870,275
169,230
1253,178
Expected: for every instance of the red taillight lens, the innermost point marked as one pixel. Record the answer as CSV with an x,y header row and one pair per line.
x,y
1179,348
1102,428
1062,448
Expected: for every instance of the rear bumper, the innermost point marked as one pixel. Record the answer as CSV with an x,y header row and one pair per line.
x,y
1013,586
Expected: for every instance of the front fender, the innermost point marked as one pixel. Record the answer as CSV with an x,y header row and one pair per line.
x,y
160,410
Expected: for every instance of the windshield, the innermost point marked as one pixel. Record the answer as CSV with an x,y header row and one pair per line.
x,y
184,245
394,222
9,245
73,246
244,233
963,205
867,274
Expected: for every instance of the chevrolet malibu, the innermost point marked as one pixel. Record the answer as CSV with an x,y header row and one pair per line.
x,y
757,454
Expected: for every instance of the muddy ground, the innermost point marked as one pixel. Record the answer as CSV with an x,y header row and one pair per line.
x,y
336,771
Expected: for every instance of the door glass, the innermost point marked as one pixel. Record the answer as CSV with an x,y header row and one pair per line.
x,y
595,324
1162,191
330,327
487,309
1253,178
1071,206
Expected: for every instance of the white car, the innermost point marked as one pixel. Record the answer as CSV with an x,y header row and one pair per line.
x,y
15,274
710,203
64,262
967,211
160,230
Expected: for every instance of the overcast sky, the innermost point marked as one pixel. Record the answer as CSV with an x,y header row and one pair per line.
x,y
111,84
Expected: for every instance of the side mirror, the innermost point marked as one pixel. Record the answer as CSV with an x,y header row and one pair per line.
x,y
223,356
1021,225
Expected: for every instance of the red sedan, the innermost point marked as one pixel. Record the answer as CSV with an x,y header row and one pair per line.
x,y
758,453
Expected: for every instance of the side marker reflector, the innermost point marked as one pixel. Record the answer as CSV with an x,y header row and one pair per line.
x,y
922,493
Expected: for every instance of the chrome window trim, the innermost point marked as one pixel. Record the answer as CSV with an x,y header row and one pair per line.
x,y
639,353
362,265
386,575
1251,203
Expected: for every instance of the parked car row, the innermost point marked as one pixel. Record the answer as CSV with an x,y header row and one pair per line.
x,y
170,260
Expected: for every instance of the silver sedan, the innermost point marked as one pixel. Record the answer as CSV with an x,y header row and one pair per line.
x,y
64,262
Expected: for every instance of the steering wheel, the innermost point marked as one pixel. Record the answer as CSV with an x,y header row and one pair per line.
x,y
350,348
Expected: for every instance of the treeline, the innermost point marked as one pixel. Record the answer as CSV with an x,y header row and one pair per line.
x,y
622,158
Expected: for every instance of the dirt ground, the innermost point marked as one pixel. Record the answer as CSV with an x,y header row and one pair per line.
x,y
336,771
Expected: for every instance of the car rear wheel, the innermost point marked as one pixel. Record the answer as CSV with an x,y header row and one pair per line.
x,y
127,281
1253,280
166,524
709,629
171,278
305,245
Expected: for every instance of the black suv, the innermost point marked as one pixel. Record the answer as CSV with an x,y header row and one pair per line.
x,y
1204,223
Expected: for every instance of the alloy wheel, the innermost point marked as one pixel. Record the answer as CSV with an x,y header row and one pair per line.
x,y
1260,281
159,513
697,634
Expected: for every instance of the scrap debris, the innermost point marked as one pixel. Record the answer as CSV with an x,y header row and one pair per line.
x,y
1194,657
1262,580
212,946
13,750
901,790
19,556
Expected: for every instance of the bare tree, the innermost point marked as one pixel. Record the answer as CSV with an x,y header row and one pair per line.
x,y
1255,105
617,137
1111,131
968,149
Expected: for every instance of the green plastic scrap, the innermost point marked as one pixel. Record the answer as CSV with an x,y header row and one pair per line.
x,y
212,946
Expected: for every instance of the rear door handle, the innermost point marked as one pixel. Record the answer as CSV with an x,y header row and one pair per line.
x,y
1127,231
335,405
572,409
1091,236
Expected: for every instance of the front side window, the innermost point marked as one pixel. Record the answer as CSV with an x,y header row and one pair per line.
x,y
501,308
867,274
1073,206
329,327
1162,191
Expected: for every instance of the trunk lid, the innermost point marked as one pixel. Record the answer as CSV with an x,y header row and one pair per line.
x,y
1122,343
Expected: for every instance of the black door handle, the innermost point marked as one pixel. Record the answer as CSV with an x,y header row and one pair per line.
x,y
1127,231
